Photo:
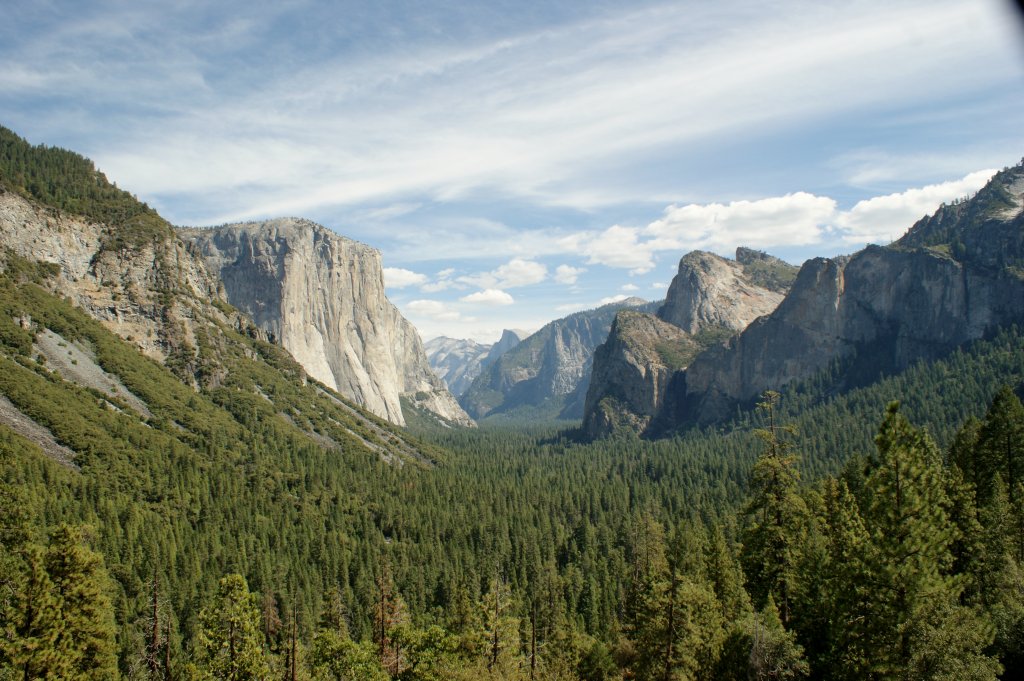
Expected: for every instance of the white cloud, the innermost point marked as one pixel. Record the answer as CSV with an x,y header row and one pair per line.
x,y
390,126
433,309
630,287
659,286
437,286
567,274
516,272
396,277
613,299
441,283
620,246
489,296
791,220
883,219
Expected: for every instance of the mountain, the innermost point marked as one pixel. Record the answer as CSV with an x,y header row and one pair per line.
x,y
710,291
458,361
636,370
509,339
455,360
126,266
954,277
115,338
547,374
321,296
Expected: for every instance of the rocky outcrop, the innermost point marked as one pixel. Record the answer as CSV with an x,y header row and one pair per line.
x,y
547,373
458,361
711,291
952,278
509,339
151,292
709,299
321,296
632,372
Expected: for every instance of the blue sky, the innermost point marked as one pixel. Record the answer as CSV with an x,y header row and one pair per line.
x,y
515,161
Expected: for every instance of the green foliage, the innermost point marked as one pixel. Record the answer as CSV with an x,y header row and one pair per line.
x,y
69,182
776,515
338,658
770,273
230,642
58,621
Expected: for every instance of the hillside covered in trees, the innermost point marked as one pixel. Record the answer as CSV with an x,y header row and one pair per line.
x,y
257,526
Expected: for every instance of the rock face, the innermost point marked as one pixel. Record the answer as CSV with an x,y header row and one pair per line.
x,y
645,356
953,277
458,361
632,373
152,293
548,372
710,291
321,296
509,339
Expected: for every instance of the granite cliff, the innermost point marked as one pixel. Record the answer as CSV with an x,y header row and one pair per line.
x,y
321,296
636,370
952,278
142,284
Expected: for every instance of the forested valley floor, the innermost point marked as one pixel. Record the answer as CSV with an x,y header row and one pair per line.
x,y
822,537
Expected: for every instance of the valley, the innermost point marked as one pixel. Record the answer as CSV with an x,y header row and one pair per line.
x,y
223,455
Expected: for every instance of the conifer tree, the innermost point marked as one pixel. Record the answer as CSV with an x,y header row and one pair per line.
x,y
776,516
774,652
64,626
905,567
1001,441
230,636
500,626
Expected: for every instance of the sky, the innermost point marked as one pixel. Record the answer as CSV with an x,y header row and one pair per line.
x,y
514,160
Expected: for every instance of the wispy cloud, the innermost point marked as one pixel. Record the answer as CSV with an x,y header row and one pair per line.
x,y
539,114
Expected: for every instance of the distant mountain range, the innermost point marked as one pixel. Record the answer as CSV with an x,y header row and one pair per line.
x,y
459,361
546,375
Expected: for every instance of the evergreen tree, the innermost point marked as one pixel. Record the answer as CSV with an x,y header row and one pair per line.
x,y
776,516
1000,445
230,636
774,652
905,566
500,633
63,625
